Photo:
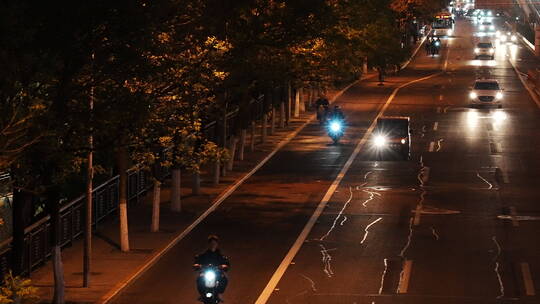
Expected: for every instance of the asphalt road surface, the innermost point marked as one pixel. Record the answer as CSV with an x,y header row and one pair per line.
x,y
458,223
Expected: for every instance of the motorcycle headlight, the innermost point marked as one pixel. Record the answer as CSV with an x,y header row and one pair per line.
x,y
380,141
477,50
514,38
209,275
403,141
503,38
473,95
335,126
499,95
208,294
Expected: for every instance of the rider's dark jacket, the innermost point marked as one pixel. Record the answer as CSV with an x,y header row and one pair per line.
x,y
214,258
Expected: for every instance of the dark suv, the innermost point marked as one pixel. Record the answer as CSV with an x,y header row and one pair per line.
x,y
392,134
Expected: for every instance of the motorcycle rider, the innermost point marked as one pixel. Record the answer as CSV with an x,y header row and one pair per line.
x,y
322,102
212,256
437,45
337,114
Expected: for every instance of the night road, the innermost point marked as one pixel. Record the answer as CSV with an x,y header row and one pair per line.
x,y
456,224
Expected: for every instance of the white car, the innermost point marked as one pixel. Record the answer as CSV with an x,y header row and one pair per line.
x,y
486,92
484,49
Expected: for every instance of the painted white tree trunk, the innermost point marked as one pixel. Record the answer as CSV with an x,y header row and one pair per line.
x,y
216,173
302,101
58,273
297,103
273,121
289,103
252,141
124,230
196,187
282,115
264,127
232,151
156,202
176,200
243,134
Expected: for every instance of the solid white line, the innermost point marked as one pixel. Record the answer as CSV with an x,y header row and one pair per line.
x,y
440,97
435,126
527,279
217,202
280,271
417,214
431,146
404,277
513,213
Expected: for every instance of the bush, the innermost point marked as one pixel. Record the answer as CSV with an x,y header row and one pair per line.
x,y
17,290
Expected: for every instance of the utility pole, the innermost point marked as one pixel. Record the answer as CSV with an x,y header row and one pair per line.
x,y
89,187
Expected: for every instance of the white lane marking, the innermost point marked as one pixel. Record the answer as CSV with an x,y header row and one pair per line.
x,y
527,279
485,180
343,221
435,234
383,275
404,277
525,84
435,126
441,98
439,144
431,146
327,260
280,271
367,229
313,288
513,213
417,214
518,217
496,269
216,203
370,198
338,215
409,237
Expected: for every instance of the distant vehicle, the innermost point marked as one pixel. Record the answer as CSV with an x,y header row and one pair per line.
x,y
392,134
484,49
506,37
487,26
443,20
486,92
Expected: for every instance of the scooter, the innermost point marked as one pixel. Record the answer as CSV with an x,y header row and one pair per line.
x,y
336,130
209,277
322,115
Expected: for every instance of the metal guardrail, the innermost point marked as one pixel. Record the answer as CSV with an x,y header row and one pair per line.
x,y
105,202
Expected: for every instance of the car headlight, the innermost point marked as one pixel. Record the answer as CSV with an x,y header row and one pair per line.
x,y
335,126
499,95
380,141
497,33
514,38
481,27
492,27
503,38
491,51
477,50
209,275
473,95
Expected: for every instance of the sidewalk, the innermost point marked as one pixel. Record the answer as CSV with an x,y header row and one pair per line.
x,y
110,267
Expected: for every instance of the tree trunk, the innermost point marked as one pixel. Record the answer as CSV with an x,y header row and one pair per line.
x,y
196,187
216,173
273,121
156,202
122,164
232,151
289,103
176,201
22,216
264,127
302,100
282,114
88,217
242,144
297,103
53,203
252,141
